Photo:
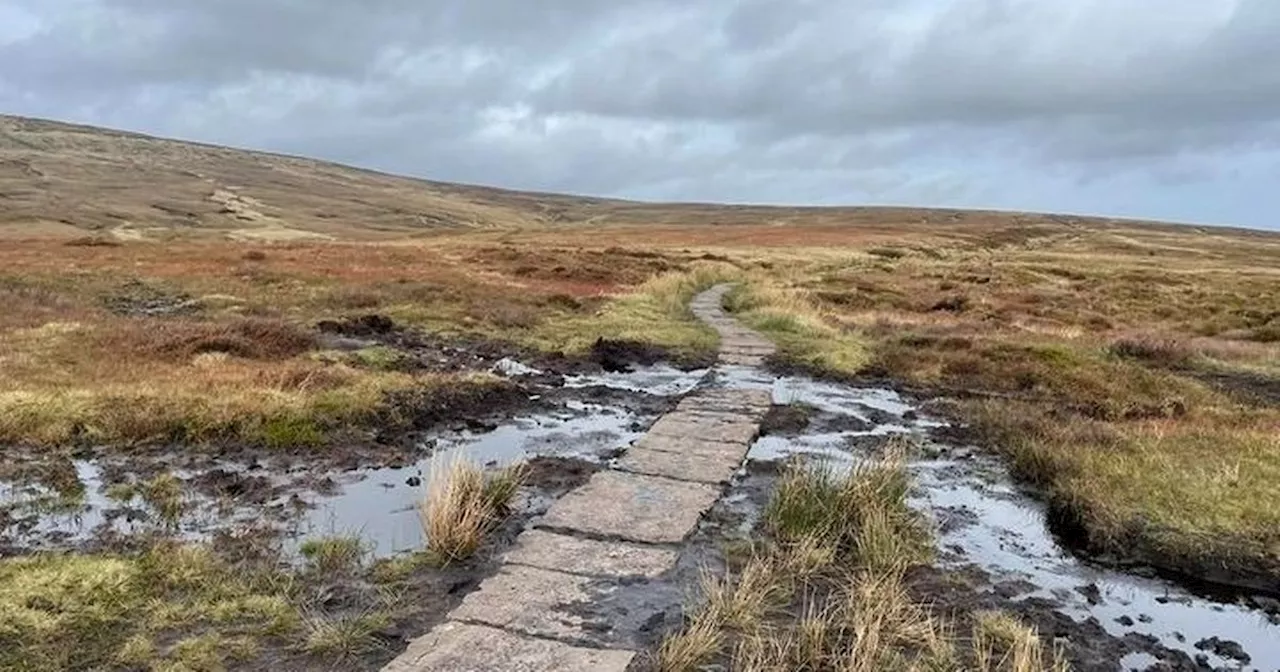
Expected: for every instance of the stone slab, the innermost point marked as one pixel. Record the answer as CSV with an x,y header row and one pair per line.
x,y
742,360
703,468
741,430
748,348
728,395
463,647
547,550
722,402
633,507
534,601
684,445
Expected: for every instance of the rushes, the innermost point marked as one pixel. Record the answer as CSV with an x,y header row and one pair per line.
x,y
462,505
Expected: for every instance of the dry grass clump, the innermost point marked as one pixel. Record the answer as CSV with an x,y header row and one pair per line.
x,y
827,591
1003,644
1159,351
183,339
463,504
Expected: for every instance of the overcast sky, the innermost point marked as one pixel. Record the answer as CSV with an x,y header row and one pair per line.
x,y
1148,108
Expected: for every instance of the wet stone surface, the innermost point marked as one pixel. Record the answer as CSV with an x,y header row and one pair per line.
x,y
633,507
590,557
462,647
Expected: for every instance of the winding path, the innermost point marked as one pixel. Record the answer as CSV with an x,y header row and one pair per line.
x,y
572,590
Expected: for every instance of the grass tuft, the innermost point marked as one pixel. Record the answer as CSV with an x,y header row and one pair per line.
x,y
333,555
1002,644
344,636
462,505
860,516
830,593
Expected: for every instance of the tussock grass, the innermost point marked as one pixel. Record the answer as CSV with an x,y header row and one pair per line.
x,y
462,504
164,494
695,645
1002,644
827,590
345,636
859,517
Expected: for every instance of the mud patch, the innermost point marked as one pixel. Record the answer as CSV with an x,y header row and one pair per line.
x,y
97,501
786,420
1249,388
136,298
621,356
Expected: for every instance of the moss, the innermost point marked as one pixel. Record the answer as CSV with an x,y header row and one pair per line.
x,y
379,357
291,432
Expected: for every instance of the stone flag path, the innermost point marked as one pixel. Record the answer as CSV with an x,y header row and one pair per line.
x,y
574,585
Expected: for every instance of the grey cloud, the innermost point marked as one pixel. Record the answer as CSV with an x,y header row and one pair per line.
x,y
794,100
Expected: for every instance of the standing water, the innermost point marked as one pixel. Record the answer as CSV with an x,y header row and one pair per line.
x,y
991,524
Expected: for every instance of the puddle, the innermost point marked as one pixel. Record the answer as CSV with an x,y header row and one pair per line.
x,y
983,520
1138,661
379,505
1007,536
376,504
661,380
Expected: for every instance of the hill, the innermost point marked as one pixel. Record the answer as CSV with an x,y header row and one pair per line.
x,y
67,180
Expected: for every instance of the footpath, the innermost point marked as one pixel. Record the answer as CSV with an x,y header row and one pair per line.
x,y
546,608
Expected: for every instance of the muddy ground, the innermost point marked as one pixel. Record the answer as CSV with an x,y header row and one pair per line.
x,y
572,415
255,506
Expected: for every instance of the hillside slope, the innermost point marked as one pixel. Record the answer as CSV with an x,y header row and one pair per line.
x,y
60,179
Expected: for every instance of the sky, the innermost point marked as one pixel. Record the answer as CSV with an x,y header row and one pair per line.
x,y
1160,109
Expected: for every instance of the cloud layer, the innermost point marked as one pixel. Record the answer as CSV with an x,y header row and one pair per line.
x,y
1151,108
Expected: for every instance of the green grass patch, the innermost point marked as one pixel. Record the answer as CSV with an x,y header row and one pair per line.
x,y
804,334
60,612
860,517
657,312
329,555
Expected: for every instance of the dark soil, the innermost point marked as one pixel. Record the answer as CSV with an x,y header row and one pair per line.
x,y
957,595
786,420
1249,388
434,352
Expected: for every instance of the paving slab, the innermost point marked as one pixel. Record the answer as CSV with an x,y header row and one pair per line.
x,y
464,647
633,507
748,349
684,445
535,601
741,430
730,398
704,468
547,550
